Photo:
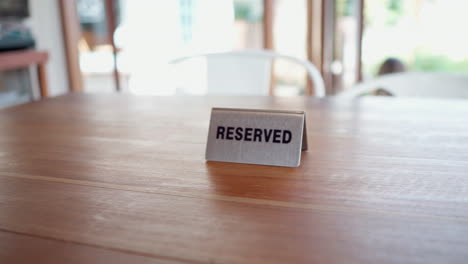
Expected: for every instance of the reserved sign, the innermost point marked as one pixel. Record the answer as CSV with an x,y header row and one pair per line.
x,y
256,136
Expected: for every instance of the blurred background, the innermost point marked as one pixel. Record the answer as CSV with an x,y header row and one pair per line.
x,y
127,46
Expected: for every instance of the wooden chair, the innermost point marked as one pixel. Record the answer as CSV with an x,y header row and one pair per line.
x,y
414,84
247,72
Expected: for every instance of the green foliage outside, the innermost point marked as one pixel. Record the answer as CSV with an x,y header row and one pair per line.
x,y
344,8
426,62
429,62
395,11
245,11
384,15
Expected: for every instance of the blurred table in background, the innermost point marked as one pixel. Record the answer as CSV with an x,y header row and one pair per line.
x,y
122,179
12,60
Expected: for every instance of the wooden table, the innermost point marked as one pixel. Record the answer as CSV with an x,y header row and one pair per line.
x,y
120,179
13,60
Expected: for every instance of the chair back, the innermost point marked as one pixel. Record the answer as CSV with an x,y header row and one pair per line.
x,y
414,84
247,72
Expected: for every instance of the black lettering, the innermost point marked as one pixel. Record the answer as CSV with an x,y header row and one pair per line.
x,y
267,134
287,136
239,131
257,135
276,136
248,134
220,132
230,133
254,134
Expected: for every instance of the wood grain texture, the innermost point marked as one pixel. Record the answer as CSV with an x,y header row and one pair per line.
x,y
120,177
18,248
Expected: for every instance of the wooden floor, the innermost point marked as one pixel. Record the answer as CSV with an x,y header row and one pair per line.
x,y
120,179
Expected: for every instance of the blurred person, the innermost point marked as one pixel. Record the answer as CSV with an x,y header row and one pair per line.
x,y
391,65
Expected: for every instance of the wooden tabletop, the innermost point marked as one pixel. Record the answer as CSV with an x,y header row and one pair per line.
x,y
121,179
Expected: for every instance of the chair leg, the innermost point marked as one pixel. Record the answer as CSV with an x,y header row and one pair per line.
x,y
42,77
309,87
272,79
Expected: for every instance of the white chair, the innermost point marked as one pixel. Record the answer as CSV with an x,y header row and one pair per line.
x,y
247,72
414,84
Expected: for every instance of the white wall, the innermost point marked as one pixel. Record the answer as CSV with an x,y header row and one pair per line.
x,y
45,23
